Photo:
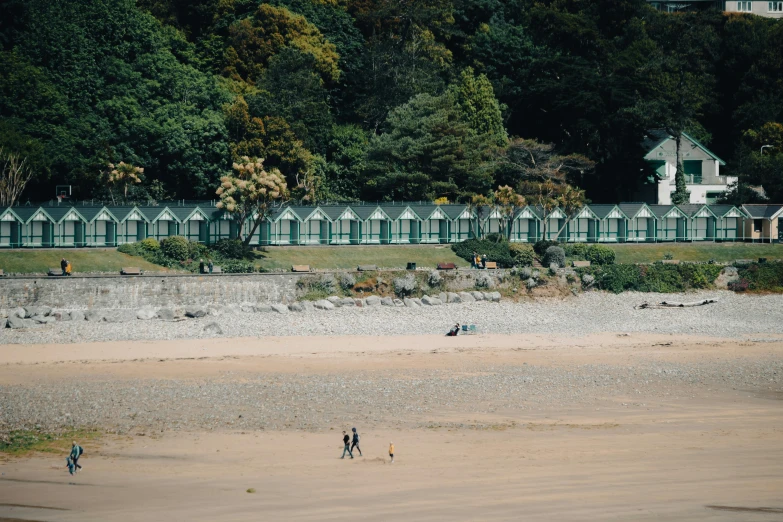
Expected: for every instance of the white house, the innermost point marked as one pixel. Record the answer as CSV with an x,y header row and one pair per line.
x,y
701,167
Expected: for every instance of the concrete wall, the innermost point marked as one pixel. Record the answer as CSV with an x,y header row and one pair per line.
x,y
110,292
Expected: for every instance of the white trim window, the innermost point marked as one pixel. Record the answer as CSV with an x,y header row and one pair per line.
x,y
775,7
744,6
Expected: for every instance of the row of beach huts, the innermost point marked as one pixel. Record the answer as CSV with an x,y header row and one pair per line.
x,y
89,225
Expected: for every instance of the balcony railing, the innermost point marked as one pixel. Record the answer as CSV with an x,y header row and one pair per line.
x,y
693,179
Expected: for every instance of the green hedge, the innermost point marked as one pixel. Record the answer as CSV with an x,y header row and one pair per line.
x,y
761,277
177,252
653,278
497,252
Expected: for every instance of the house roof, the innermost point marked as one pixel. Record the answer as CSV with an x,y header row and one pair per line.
x,y
722,210
364,211
656,137
691,209
27,213
602,211
662,210
763,211
9,210
453,210
631,209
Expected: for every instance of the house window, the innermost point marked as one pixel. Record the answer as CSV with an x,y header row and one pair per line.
x,y
743,7
775,7
692,169
712,197
757,225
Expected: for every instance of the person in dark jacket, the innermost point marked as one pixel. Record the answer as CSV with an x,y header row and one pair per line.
x,y
355,442
484,261
210,265
201,266
347,445
64,265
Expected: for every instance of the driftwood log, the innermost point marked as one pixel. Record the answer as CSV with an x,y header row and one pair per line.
x,y
672,304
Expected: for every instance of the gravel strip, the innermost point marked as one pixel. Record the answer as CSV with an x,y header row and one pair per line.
x,y
735,315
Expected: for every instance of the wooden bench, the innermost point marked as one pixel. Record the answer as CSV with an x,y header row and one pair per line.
x,y
447,266
367,268
131,271
581,264
671,261
300,268
216,270
491,265
2,274
55,272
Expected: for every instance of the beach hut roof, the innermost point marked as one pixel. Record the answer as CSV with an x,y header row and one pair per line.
x,y
28,214
727,211
763,211
8,214
693,210
636,210
662,211
608,211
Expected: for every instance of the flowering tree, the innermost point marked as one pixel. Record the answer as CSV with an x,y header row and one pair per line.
x,y
251,193
507,201
124,174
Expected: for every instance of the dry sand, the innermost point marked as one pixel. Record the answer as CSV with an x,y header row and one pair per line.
x,y
703,447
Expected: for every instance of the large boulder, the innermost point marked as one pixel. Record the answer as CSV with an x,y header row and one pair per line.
x,y
308,306
212,328
359,302
348,301
493,296
280,308
17,312
323,304
248,308
119,316
263,308
166,314
431,301
145,314
466,297
478,296
65,316
32,311
444,297
296,307
43,319
451,297
3,322
335,300
411,303
387,301
94,315
17,322
373,300
77,315
398,302
196,312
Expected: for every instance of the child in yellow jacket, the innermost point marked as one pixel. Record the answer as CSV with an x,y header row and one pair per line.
x,y
391,451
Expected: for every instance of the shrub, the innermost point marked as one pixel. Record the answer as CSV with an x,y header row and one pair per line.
x,y
495,237
132,249
762,277
531,283
434,279
404,286
739,286
653,278
175,247
498,252
553,269
668,255
540,246
197,251
236,266
484,281
554,255
576,250
149,244
599,255
346,281
230,249
524,272
588,280
521,254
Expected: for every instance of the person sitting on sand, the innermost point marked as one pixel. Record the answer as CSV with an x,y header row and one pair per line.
x,y
454,331
346,445
391,451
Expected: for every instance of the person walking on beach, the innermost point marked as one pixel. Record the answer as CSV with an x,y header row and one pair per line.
x,y
76,452
473,260
346,445
391,451
64,266
355,442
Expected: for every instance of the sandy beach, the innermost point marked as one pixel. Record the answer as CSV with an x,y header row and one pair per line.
x,y
608,426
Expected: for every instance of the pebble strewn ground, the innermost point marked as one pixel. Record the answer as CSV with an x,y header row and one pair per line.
x,y
403,398
735,315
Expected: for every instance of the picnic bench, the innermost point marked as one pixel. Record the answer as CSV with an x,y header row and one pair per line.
x,y
2,274
366,268
491,264
55,272
581,264
216,270
131,271
300,268
671,261
447,266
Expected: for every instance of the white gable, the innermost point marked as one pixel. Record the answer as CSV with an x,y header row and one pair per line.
x,y
408,214
196,216
495,214
166,216
317,215
703,213
135,216
103,216
675,212
585,213
557,214
288,214
615,214
465,215
378,214
72,216
526,214
349,215
733,213
40,216
8,217
438,214
644,213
